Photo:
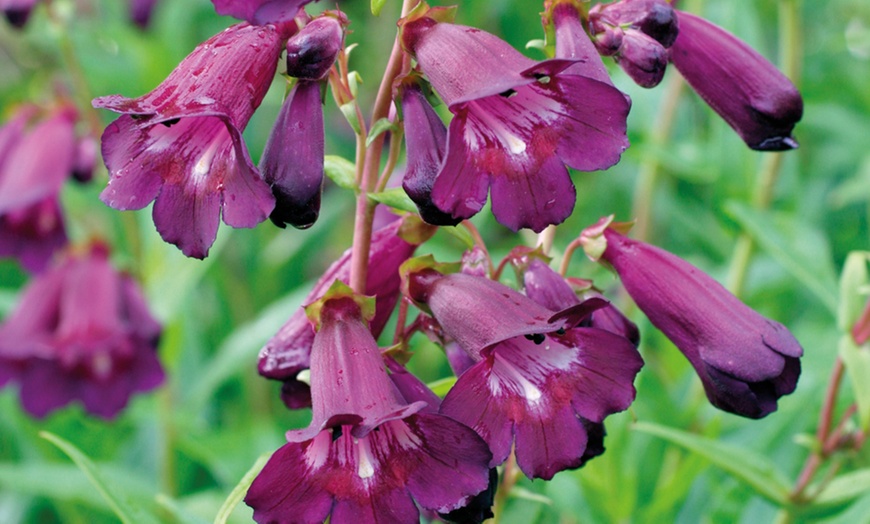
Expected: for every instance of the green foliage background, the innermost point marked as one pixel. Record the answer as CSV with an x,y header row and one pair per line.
x,y
179,451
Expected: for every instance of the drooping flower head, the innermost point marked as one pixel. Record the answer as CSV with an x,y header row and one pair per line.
x,y
37,155
745,361
538,384
516,123
289,351
292,162
743,87
81,332
369,456
181,145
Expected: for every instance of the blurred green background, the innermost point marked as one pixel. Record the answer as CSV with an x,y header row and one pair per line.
x,y
179,451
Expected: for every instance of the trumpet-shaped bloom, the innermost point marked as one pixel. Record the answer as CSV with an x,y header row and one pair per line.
x,y
368,455
35,160
745,361
745,89
82,331
516,125
181,145
289,351
537,383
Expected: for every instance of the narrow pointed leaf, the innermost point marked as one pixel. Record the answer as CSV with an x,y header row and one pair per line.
x,y
857,361
381,126
396,198
341,171
377,5
238,492
753,469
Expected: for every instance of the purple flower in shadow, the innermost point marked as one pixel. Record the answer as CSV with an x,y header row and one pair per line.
x,y
17,12
743,87
82,331
516,124
538,383
369,456
181,145
745,361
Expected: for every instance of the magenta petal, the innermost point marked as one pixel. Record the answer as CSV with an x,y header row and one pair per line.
x,y
260,12
45,387
548,442
460,186
743,87
131,185
187,215
573,43
33,234
245,200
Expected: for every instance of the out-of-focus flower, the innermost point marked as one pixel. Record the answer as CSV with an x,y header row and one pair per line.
x,y
81,331
292,162
17,12
36,157
637,33
743,87
516,123
140,12
745,361
368,456
538,383
260,12
181,145
289,351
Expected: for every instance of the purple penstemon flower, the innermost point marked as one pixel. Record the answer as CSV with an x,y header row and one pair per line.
x,y
81,331
745,361
538,383
36,157
369,456
572,42
181,145
260,12
516,124
292,162
759,102
289,351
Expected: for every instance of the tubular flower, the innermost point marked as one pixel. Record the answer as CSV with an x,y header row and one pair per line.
x,y
746,90
638,34
82,331
572,42
260,12
745,361
368,454
292,162
34,163
537,383
181,144
516,124
289,351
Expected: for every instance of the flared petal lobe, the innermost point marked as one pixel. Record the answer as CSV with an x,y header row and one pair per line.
x,y
744,88
745,361
181,144
516,124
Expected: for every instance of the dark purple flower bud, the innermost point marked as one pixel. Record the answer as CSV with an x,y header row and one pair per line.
x,y
260,12
746,90
289,351
426,140
654,18
293,158
573,43
312,51
181,145
34,163
82,331
368,456
642,58
85,159
140,12
532,387
745,361
516,124
17,12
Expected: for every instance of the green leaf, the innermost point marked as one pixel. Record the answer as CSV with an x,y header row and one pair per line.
x,y
845,488
377,5
460,233
341,171
857,362
853,289
119,502
396,198
798,247
238,492
349,112
442,386
381,126
755,470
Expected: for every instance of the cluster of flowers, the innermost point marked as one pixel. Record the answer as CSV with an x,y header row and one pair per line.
x,y
539,370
